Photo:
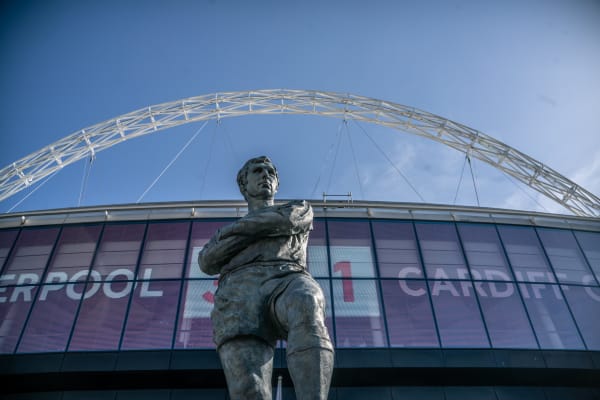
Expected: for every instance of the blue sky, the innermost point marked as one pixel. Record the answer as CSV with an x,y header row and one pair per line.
x,y
524,72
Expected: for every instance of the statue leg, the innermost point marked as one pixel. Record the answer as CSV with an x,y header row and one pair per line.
x,y
300,309
311,371
248,365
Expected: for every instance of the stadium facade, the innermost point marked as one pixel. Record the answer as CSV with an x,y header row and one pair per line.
x,y
424,302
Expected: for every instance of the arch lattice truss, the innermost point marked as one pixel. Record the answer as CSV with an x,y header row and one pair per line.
x,y
88,141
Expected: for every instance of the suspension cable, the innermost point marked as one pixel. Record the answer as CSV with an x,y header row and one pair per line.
x,y
324,164
34,190
509,178
473,178
172,161
362,193
462,172
87,168
337,150
391,163
208,159
229,141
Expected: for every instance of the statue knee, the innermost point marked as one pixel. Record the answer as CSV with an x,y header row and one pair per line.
x,y
305,308
305,318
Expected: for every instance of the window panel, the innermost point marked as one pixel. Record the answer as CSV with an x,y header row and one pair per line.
x,y
118,251
565,256
164,250
202,231
30,256
441,251
550,317
51,319
484,252
152,314
350,249
397,252
590,244
7,237
15,302
74,252
357,314
525,254
505,317
194,328
317,251
101,316
408,313
585,305
457,314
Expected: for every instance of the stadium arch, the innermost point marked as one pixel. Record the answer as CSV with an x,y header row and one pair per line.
x,y
88,141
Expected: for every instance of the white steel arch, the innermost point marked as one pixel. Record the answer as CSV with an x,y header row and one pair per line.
x,y
88,141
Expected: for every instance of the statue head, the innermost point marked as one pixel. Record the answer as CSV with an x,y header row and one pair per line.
x,y
258,178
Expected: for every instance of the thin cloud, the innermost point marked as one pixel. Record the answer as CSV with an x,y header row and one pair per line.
x,y
589,176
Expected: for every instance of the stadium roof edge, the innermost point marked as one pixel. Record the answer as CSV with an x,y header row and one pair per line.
x,y
336,209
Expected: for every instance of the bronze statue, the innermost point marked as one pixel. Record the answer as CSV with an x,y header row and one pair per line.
x,y
265,293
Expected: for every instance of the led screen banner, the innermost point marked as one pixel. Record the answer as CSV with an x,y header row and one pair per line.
x,y
399,284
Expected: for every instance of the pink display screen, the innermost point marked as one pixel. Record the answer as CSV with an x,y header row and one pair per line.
x,y
402,284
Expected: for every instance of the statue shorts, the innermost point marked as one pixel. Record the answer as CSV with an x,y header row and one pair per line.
x,y
246,305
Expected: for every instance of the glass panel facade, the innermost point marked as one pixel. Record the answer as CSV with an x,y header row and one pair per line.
x,y
484,252
585,305
525,254
442,254
14,308
397,252
101,315
7,239
550,317
73,255
502,308
152,314
358,316
194,329
164,250
408,312
457,314
29,256
388,283
590,244
51,319
505,316
565,257
119,251
317,251
350,249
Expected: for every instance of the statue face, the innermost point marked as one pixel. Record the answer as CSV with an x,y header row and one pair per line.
x,y
262,182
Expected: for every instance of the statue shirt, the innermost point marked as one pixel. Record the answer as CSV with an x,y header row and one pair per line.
x,y
270,236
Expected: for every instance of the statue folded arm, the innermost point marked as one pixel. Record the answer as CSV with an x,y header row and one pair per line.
x,y
288,219
218,252
285,220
